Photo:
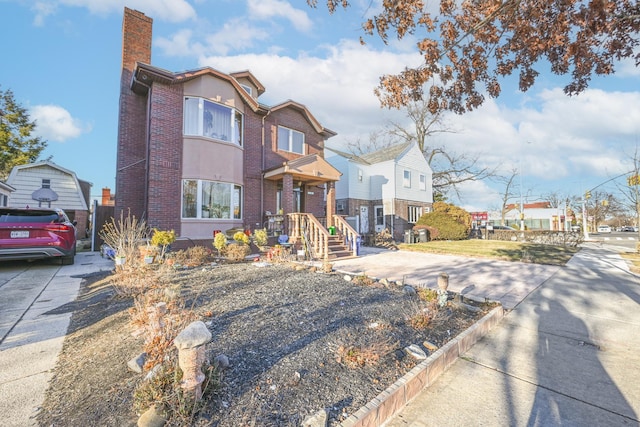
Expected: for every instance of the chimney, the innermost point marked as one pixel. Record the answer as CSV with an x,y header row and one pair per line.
x,y
106,197
136,38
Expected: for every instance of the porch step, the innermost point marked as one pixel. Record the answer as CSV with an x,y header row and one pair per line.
x,y
340,254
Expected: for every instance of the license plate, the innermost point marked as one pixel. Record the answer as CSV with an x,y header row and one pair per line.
x,y
19,234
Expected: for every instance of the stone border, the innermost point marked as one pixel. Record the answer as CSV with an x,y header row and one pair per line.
x,y
396,397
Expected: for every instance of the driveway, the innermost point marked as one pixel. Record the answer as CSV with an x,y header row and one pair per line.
x,y
477,278
32,330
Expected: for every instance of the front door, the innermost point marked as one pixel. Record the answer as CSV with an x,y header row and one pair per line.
x,y
364,219
379,214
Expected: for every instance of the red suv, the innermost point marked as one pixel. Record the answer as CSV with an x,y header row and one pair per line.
x,y
36,233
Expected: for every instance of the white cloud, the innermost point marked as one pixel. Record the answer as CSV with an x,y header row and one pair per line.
x,y
55,123
337,88
167,10
265,10
236,34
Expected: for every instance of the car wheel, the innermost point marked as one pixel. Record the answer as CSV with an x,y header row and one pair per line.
x,y
69,260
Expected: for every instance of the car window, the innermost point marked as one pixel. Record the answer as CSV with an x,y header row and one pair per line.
x,y
35,216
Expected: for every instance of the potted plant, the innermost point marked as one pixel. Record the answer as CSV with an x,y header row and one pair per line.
x,y
260,239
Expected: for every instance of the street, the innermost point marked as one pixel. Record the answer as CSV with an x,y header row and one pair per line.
x,y
616,238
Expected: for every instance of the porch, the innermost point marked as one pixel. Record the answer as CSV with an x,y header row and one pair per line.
x,y
304,192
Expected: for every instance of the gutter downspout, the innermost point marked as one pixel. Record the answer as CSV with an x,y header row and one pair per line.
x,y
262,171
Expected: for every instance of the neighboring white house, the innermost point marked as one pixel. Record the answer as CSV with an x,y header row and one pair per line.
x,y
5,192
537,216
389,188
46,184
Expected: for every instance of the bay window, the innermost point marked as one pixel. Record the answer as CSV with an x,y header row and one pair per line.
x,y
211,200
209,119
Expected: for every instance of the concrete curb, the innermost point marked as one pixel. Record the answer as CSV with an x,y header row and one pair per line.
x,y
396,397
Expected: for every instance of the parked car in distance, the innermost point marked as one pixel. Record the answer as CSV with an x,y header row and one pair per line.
x,y
628,228
38,233
604,229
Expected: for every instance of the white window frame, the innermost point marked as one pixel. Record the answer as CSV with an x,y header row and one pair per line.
x,y
236,193
247,88
406,178
289,142
413,214
423,182
360,175
194,121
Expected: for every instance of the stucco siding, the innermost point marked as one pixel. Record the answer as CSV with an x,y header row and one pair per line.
x,y
211,160
216,90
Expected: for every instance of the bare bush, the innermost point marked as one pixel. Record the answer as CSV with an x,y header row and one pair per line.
x,y
124,236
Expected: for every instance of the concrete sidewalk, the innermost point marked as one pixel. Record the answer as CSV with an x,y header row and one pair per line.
x,y
32,331
568,355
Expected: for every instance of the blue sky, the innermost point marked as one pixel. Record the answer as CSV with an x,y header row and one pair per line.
x,y
62,61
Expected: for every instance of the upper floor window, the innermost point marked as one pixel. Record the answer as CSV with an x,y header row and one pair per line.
x,y
290,140
206,118
46,183
423,182
246,88
359,175
406,179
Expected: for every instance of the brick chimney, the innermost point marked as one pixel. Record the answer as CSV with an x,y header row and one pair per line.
x,y
107,200
131,164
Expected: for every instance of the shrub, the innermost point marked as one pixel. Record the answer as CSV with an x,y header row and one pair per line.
x,y
260,237
192,257
446,226
125,235
163,239
237,252
220,243
241,237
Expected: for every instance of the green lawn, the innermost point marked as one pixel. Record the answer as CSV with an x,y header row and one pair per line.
x,y
498,249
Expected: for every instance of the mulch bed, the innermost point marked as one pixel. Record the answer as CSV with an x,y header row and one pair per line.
x,y
283,330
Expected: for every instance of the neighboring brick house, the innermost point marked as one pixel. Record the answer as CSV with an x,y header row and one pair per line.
x,y
386,189
197,151
45,184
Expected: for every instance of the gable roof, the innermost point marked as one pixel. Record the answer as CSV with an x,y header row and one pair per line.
x,y
311,167
305,112
393,152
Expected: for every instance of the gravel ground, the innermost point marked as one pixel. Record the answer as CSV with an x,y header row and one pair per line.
x,y
284,331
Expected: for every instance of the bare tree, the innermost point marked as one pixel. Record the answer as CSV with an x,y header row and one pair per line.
x,y
509,192
450,169
631,192
467,46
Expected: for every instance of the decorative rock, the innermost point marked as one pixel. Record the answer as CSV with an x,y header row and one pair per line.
x,y
430,346
153,372
416,352
296,378
410,290
319,419
222,361
137,363
399,283
347,278
153,417
194,335
384,282
467,307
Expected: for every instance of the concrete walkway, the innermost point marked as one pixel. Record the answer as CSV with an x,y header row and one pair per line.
x,y
32,331
480,278
567,355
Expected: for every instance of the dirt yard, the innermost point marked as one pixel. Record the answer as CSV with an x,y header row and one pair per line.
x,y
297,342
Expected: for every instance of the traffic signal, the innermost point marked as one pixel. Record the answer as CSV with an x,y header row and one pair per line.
x,y
587,195
605,203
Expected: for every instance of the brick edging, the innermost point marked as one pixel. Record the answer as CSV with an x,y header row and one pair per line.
x,y
396,397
